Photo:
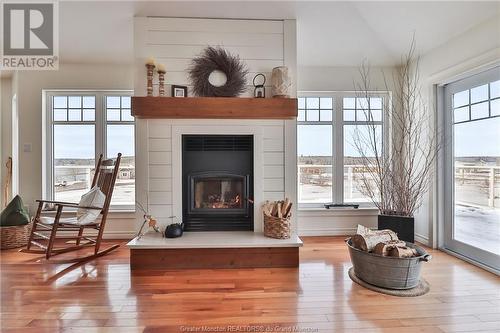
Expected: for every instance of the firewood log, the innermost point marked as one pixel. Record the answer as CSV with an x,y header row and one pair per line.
x,y
383,248
288,211
284,207
368,241
279,213
274,209
402,252
280,209
266,208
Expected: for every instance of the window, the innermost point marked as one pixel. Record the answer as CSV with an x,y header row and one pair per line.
x,y
331,129
362,140
315,150
81,126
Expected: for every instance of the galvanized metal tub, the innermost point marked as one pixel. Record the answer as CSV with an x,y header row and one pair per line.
x,y
388,272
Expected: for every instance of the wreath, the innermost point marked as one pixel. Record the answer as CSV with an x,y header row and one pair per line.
x,y
213,59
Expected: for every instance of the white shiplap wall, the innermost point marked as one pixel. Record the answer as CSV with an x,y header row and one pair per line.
x,y
174,42
161,157
262,45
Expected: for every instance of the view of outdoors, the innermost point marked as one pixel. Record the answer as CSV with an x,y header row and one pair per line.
x,y
75,120
316,160
477,166
315,163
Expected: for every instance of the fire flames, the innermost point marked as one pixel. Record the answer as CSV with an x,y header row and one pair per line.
x,y
215,201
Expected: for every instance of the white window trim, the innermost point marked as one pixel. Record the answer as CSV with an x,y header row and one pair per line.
x,y
338,141
100,123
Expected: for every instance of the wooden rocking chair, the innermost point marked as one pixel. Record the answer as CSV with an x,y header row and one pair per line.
x,y
44,230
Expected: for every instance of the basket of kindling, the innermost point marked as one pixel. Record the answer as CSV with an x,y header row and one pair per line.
x,y
277,222
14,236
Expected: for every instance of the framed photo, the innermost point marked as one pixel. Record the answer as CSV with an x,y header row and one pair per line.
x,y
179,91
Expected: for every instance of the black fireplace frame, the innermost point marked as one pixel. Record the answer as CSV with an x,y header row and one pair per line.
x,y
207,155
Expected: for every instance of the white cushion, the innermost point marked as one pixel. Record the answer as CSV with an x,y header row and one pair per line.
x,y
65,220
94,198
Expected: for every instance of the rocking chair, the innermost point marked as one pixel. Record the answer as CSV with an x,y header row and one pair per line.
x,y
44,231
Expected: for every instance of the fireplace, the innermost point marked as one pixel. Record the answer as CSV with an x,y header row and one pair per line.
x,y
217,182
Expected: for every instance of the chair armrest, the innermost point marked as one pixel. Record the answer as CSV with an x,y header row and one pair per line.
x,y
56,202
72,205
69,204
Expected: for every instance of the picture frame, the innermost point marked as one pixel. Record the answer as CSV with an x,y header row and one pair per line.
x,y
179,91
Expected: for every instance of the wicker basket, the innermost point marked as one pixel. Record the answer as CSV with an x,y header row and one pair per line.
x,y
276,227
14,236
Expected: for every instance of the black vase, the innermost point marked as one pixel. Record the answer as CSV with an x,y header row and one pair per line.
x,y
403,226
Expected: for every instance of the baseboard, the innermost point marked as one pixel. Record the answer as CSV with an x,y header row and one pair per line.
x,y
348,232
328,232
471,261
422,239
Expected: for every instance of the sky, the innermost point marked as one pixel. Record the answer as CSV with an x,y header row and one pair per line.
x,y
77,141
476,138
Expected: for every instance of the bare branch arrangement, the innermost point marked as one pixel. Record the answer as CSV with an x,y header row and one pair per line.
x,y
397,176
148,218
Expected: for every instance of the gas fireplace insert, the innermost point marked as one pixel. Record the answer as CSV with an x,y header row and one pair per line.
x,y
217,182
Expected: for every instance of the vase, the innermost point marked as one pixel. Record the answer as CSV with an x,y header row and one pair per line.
x,y
281,82
403,226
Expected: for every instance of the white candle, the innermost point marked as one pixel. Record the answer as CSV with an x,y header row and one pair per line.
x,y
161,68
150,61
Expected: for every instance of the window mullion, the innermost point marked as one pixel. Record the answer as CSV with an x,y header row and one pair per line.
x,y
49,184
338,149
100,126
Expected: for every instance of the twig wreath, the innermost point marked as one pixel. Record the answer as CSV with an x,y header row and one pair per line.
x,y
217,59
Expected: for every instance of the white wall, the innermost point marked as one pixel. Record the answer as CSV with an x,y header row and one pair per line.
x,y
465,54
69,76
340,78
5,133
162,169
174,42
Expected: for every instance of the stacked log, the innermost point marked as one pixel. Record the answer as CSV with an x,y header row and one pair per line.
x,y
366,242
382,242
402,252
280,209
384,248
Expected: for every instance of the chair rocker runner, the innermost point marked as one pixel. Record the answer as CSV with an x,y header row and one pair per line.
x,y
44,231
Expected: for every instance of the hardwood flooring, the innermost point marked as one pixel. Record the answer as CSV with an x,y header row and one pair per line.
x,y
103,296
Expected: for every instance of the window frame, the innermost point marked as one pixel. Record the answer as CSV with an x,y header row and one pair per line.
x,y
100,122
337,124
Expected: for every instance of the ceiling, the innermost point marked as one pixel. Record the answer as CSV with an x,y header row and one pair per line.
x,y
328,33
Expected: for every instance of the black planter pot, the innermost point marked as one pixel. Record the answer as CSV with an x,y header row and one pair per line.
x,y
404,226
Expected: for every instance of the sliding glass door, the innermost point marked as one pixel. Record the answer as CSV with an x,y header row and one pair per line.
x,y
472,155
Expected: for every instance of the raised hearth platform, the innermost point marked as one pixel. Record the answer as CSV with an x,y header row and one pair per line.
x,y
226,249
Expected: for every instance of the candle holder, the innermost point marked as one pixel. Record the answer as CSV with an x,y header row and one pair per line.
x,y
161,79
150,69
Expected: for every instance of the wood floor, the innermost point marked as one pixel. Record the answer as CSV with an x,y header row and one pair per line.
x,y
102,296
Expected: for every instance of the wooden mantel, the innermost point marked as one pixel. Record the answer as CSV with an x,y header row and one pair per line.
x,y
214,107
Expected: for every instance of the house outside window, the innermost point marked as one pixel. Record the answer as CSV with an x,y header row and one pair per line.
x,y
330,127
80,125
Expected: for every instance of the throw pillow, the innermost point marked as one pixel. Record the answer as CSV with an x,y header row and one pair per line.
x,y
93,198
15,213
